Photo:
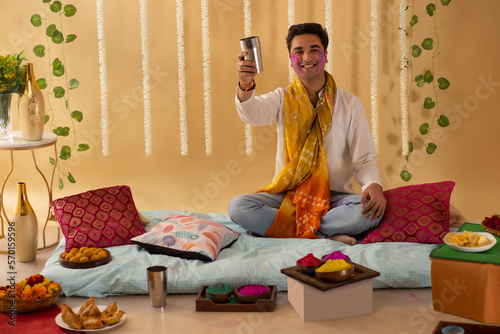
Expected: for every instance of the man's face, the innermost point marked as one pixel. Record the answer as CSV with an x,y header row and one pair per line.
x,y
307,56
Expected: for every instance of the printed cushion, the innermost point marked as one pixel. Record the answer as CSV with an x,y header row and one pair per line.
x,y
187,237
419,213
98,218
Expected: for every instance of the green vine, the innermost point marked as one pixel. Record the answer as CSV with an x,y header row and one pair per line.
x,y
58,77
430,102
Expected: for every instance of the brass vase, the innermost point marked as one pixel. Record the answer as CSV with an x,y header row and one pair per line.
x,y
25,227
31,107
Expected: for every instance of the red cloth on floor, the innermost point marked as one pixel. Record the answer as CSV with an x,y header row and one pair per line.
x,y
34,323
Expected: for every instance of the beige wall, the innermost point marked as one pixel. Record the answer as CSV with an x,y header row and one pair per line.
x,y
467,151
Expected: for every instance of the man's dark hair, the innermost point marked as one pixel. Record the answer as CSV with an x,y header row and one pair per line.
x,y
307,28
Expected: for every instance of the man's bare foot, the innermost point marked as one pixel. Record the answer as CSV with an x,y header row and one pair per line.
x,y
346,239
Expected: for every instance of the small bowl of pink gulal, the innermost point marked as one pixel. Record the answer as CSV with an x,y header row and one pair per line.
x,y
250,293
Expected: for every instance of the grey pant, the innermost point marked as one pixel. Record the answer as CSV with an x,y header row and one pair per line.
x,y
256,212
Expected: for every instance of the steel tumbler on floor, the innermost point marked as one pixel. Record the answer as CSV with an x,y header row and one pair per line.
x,y
252,46
157,284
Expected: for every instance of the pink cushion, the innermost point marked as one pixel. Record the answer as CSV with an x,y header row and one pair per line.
x,y
98,218
419,213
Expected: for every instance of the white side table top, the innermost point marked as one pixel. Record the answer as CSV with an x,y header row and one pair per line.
x,y
17,141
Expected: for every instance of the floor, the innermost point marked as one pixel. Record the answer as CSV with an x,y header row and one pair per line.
x,y
401,311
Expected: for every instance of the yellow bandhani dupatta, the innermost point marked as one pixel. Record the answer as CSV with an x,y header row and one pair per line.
x,y
305,176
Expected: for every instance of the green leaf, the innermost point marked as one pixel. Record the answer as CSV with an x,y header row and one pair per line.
x,y
56,6
69,10
46,119
410,147
39,50
77,115
405,175
414,20
430,9
46,1
73,83
445,2
70,38
428,103
71,178
415,51
430,148
427,44
428,77
36,20
58,92
57,68
65,152
57,37
50,30
424,128
443,121
61,184
42,84
60,131
83,147
443,83
419,79
52,161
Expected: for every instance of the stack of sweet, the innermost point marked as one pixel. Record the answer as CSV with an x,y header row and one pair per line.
x,y
333,267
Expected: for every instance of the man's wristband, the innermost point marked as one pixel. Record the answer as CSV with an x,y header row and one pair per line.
x,y
246,88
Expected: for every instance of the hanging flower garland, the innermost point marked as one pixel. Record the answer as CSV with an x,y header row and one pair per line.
x,y
248,33
181,68
146,76
329,29
374,72
103,78
206,76
291,21
403,77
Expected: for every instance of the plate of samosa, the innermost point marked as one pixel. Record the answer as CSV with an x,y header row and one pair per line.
x,y
90,317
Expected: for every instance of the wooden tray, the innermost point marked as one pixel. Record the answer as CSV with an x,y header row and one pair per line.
x,y
85,265
469,328
203,303
360,273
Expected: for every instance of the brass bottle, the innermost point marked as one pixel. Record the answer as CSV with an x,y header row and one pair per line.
x,y
31,107
25,227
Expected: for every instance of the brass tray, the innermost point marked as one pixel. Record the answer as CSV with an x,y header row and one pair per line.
x,y
490,230
85,265
203,303
360,273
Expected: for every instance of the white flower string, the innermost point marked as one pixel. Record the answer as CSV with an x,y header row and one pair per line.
x,y
248,32
374,73
291,21
103,78
181,67
403,77
146,76
329,29
206,76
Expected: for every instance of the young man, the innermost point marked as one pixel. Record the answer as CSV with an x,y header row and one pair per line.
x,y
323,141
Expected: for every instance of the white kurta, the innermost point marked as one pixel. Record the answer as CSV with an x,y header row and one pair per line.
x,y
349,146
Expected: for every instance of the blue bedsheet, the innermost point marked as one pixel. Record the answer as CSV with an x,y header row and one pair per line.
x,y
249,260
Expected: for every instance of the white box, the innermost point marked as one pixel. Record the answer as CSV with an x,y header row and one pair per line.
x,y
313,304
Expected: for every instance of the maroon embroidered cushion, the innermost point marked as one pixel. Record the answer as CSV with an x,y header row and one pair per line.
x,y
419,213
98,218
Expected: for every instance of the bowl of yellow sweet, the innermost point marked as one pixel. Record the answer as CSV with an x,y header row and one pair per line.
x,y
335,271
84,257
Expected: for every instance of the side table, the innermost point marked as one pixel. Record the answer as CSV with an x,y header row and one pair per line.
x,y
17,143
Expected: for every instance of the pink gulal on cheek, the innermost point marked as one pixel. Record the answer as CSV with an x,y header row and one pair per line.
x,y
295,63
